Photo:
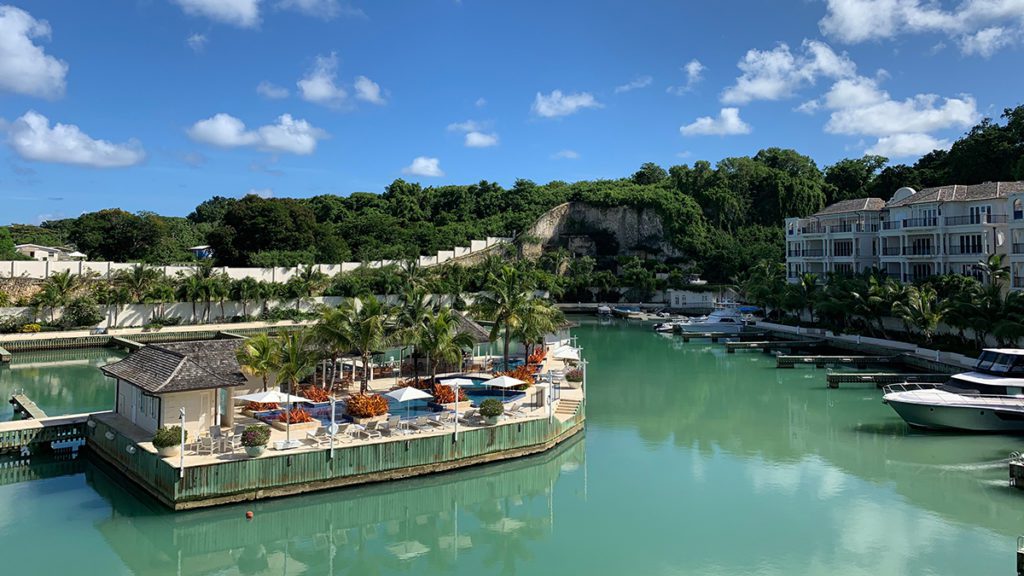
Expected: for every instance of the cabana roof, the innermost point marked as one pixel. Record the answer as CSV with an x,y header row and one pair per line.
x,y
181,366
467,325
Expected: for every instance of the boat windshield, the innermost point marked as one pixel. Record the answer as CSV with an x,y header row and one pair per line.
x,y
992,361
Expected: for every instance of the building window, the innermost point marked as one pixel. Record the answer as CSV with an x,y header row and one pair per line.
x,y
843,268
843,248
1018,209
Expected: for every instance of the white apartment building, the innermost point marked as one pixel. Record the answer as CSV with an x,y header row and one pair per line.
x,y
914,235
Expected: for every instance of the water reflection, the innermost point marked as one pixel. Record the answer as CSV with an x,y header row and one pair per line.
x,y
488,517
786,422
60,381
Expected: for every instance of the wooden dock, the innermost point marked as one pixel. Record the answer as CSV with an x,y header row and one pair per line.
x,y
5,356
716,336
20,434
879,379
126,344
767,346
820,361
26,408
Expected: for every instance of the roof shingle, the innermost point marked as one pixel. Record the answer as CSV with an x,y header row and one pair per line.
x,y
181,366
853,205
960,193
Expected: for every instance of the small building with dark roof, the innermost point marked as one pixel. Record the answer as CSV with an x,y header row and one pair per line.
x,y
156,381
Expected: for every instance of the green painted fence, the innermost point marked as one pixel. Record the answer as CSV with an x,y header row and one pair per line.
x,y
250,475
17,434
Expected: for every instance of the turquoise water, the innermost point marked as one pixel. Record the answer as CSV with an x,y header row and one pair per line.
x,y
694,461
60,381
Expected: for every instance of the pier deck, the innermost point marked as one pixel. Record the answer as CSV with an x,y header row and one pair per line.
x,y
879,379
716,336
23,405
768,345
21,434
820,361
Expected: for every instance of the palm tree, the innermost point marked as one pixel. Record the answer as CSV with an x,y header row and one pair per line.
x,y
441,340
258,357
197,287
49,298
765,285
245,290
920,310
113,297
410,319
368,327
331,333
538,319
160,293
808,289
306,282
137,280
504,302
993,269
220,290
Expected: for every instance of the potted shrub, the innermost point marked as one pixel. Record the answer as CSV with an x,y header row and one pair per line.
x,y
167,441
574,377
298,419
491,410
254,439
366,408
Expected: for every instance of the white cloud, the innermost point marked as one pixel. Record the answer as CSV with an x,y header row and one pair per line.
x,y
424,166
566,155
480,102
481,140
694,74
636,83
860,107
271,90
476,137
287,135
907,145
778,73
32,138
325,9
855,21
197,42
241,13
368,90
319,86
558,104
684,154
727,123
467,126
24,67
988,41
261,192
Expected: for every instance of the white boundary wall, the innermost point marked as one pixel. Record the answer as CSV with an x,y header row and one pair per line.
x,y
38,270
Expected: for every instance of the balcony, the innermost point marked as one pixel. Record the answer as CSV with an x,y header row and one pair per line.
x,y
894,225
814,253
1018,248
920,222
965,250
976,219
892,251
794,253
813,229
921,251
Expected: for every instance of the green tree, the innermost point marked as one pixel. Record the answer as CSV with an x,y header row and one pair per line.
x,y
442,341
921,310
649,173
368,325
852,177
258,356
504,303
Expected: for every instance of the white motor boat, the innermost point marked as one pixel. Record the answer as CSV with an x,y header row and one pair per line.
x,y
988,399
726,320
603,310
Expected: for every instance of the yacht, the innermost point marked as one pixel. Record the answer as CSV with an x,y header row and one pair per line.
x,y
728,320
989,398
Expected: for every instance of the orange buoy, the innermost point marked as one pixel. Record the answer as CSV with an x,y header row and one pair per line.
x,y
248,515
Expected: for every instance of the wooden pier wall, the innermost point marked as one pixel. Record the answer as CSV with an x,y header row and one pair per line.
x,y
282,475
24,433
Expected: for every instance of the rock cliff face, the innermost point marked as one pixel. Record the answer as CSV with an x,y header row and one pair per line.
x,y
636,230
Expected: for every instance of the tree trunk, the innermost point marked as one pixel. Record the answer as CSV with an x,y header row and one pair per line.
x,y
195,319
505,346
364,384
264,381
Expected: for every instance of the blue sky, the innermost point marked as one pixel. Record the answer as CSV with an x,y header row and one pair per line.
x,y
160,104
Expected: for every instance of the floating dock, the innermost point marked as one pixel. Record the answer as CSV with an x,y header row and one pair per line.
x,y
819,361
20,435
5,356
26,408
879,379
767,346
716,336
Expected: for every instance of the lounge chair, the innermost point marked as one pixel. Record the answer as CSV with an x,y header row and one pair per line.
x,y
343,433
371,430
392,426
516,410
320,437
439,420
469,417
419,425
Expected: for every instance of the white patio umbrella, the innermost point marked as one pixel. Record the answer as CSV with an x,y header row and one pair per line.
x,y
407,394
566,353
457,383
503,382
277,398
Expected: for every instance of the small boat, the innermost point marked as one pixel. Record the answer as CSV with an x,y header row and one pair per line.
x,y
665,327
727,320
603,310
986,399
627,312
694,280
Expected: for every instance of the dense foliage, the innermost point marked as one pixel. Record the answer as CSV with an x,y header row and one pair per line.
x,y
723,218
167,436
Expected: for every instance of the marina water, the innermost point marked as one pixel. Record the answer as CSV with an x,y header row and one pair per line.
x,y
694,461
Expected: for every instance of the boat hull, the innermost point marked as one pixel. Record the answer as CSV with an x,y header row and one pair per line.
x,y
965,418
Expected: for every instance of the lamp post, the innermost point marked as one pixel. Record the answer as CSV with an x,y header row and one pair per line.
x,y
181,452
334,427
